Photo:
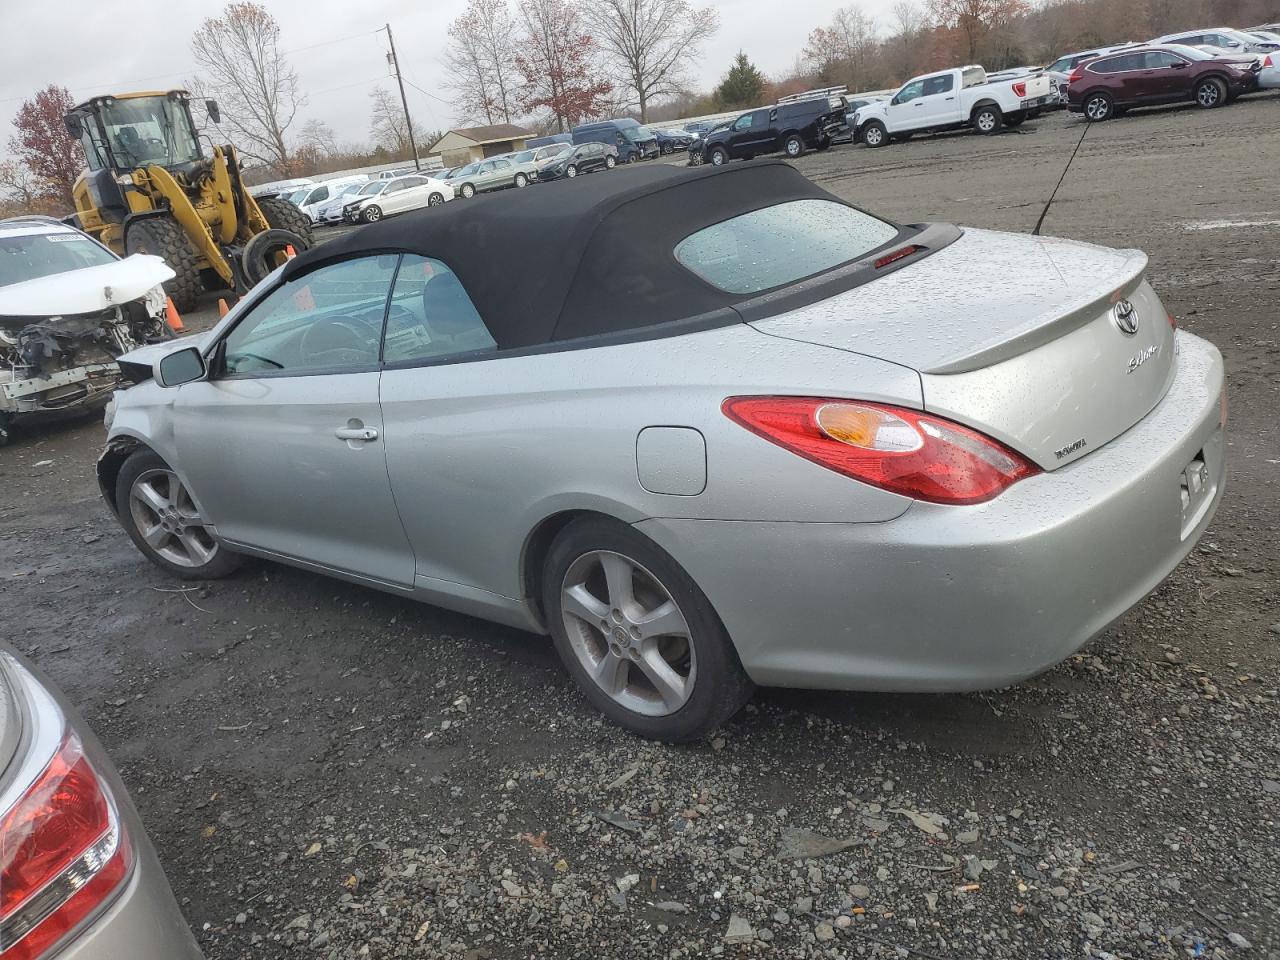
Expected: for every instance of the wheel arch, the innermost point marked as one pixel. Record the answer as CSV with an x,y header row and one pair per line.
x,y
988,102
119,449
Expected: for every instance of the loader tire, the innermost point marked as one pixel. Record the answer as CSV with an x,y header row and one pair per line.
x,y
283,215
163,237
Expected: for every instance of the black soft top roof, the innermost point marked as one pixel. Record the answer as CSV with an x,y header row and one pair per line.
x,y
592,255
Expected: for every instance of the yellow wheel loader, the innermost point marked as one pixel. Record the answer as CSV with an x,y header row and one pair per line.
x,y
149,188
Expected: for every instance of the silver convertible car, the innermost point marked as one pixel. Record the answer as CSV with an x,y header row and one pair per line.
x,y
726,430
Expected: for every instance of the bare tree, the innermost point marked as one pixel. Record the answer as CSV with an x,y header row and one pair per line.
x,y
649,42
977,18
319,136
243,67
387,126
840,51
481,58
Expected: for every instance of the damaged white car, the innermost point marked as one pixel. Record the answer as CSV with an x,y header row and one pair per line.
x,y
68,308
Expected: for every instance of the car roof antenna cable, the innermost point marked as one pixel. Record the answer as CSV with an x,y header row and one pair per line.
x,y
1045,212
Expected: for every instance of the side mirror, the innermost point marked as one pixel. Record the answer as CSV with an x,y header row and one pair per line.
x,y
74,127
211,108
183,366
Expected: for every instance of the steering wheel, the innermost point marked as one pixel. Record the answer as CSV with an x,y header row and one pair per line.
x,y
337,341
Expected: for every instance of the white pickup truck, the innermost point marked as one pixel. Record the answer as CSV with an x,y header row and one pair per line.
x,y
951,99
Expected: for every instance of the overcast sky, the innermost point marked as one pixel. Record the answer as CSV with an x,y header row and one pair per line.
x,y
93,47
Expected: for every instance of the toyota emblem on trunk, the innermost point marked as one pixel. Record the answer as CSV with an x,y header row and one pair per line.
x,y
1126,317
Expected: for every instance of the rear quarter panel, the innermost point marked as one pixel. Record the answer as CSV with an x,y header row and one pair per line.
x,y
480,453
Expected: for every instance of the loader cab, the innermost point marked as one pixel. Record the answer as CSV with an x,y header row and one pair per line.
x,y
122,134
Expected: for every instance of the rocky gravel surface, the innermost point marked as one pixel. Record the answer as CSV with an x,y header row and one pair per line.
x,y
331,772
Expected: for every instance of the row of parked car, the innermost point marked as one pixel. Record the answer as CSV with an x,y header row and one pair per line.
x,y
600,145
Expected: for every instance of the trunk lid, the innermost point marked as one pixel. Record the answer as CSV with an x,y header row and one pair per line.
x,y
1016,336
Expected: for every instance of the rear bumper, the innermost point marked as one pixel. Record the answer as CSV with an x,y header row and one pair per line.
x,y
1269,77
962,598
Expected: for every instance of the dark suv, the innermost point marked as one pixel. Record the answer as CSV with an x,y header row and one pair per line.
x,y
790,128
1111,84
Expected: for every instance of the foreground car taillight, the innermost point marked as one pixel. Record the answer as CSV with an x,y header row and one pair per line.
x,y
63,852
903,451
1019,89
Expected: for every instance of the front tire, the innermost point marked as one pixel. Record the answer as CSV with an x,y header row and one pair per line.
x,y
571,171
1211,93
467,191
610,163
875,134
1099,107
719,157
162,237
987,120
283,215
371,214
793,146
521,180
157,512
637,635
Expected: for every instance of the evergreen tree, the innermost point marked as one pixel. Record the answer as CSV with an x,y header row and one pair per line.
x,y
742,86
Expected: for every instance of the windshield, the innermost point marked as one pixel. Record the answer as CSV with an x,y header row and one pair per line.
x,y
142,131
781,244
26,257
524,156
298,196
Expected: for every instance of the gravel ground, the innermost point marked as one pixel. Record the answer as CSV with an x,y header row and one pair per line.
x,y
332,772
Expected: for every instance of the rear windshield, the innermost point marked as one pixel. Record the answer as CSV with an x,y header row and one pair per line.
x,y
44,254
781,244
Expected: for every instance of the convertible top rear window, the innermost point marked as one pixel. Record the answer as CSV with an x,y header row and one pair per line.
x,y
781,244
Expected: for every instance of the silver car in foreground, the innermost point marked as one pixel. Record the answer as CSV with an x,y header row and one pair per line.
x,y
727,430
78,877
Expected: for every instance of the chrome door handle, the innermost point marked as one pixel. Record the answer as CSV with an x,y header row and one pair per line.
x,y
356,433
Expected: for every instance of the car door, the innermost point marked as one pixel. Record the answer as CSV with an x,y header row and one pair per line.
x,y
940,106
906,110
391,199
1134,81
444,447
415,193
739,135
1165,75
283,444
595,155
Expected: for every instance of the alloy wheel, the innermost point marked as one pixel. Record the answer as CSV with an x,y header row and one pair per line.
x,y
873,136
571,172
169,520
372,214
1208,94
1098,108
628,633
986,121
610,162
435,200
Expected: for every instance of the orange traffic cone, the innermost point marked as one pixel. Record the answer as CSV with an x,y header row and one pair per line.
x,y
172,317
222,307
289,251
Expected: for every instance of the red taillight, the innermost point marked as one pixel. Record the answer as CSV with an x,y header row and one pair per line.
x,y
1075,75
1020,89
1267,61
903,451
899,254
62,852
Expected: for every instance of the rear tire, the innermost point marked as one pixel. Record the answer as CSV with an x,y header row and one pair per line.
x,y
987,120
149,493
708,684
283,215
1015,119
1099,107
1210,93
435,200
875,134
162,237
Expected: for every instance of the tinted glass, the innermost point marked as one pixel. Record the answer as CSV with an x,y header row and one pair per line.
x,y
912,91
1159,60
325,320
781,244
743,122
936,85
431,315
26,257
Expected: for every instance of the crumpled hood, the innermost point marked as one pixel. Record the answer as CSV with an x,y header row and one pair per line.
x,y
85,291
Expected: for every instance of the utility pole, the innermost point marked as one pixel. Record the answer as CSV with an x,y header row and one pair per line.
x,y
395,62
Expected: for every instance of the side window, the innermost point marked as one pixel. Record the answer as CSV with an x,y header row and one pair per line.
x,y
743,122
1160,60
504,164
912,91
936,85
760,119
329,319
431,315
321,193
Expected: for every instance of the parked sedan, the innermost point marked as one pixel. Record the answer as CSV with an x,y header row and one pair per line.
x,y
397,196
1222,38
670,140
496,173
1113,84
727,430
78,877
583,158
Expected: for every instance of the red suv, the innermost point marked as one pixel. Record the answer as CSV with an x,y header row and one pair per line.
x,y
1111,84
